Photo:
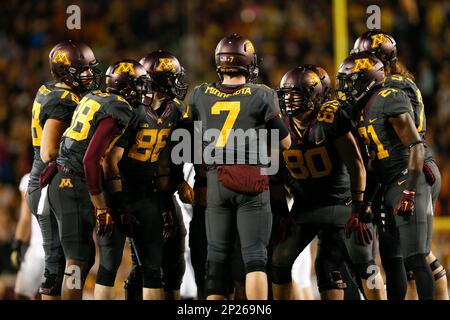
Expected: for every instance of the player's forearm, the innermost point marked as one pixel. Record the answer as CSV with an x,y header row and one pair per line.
x,y
98,200
357,174
415,165
23,230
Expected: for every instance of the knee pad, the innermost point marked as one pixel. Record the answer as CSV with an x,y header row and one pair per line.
x,y
151,277
173,275
217,278
105,277
330,281
415,261
52,284
365,270
436,265
281,275
256,265
133,285
255,257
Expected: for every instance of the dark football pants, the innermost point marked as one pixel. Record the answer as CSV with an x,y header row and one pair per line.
x,y
173,262
69,200
198,245
148,235
228,211
55,261
411,233
327,222
111,251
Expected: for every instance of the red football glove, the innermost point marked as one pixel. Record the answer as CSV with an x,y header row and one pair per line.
x,y
429,175
363,235
104,222
355,224
405,206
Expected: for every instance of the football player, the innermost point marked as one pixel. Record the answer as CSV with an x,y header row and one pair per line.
x,y
138,171
386,124
323,190
98,122
384,47
242,203
73,67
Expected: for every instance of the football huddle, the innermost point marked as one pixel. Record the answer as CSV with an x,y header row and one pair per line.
x,y
263,171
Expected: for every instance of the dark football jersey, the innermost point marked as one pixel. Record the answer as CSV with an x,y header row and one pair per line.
x,y
50,103
145,139
316,171
389,155
243,112
415,97
94,107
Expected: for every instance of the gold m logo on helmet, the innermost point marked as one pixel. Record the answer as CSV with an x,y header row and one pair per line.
x,y
66,183
363,63
314,79
378,39
61,56
125,67
166,64
248,46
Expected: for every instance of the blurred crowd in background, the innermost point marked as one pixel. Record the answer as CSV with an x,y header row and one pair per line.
x,y
286,33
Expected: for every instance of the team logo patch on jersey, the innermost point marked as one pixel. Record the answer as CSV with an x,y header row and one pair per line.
x,y
66,183
361,64
166,64
378,39
61,56
125,67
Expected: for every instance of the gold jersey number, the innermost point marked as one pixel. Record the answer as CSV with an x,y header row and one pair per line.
x,y
370,131
148,145
301,165
80,126
233,108
36,129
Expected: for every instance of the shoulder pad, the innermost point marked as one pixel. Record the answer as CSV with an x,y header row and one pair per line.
x,y
328,110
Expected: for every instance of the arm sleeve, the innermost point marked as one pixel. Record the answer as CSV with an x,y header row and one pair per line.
x,y
277,123
106,131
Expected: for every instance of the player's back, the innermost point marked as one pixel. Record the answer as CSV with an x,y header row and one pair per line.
x,y
94,107
236,114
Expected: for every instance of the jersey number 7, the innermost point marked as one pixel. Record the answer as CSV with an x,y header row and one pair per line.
x,y
233,107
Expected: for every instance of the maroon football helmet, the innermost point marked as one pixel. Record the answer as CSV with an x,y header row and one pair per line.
x,y
236,55
300,91
358,75
167,74
379,43
68,59
129,79
325,80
